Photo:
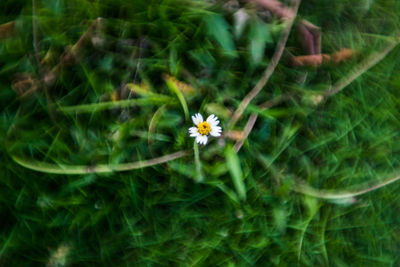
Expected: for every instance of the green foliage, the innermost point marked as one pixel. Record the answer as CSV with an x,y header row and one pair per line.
x,y
98,167
233,163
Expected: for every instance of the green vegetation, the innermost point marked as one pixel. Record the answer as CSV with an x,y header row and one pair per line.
x,y
98,167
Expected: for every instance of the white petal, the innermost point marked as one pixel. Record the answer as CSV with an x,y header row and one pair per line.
x,y
216,131
194,134
213,120
202,139
205,139
197,118
193,130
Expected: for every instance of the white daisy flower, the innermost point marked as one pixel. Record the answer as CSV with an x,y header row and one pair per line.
x,y
205,128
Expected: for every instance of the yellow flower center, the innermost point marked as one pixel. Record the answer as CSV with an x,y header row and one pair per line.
x,y
204,128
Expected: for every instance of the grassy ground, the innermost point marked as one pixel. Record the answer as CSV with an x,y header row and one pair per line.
x,y
98,167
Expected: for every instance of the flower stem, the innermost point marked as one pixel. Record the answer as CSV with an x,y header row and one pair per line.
x,y
199,173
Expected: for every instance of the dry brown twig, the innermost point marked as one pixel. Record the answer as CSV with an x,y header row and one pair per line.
x,y
73,53
247,130
34,30
277,8
310,37
252,120
310,34
304,188
361,68
312,43
320,59
268,72
7,29
22,81
100,168
25,85
49,100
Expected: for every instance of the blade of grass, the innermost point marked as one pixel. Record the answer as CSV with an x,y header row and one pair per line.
x,y
305,189
233,163
6,243
100,168
153,123
230,193
172,86
85,108
304,230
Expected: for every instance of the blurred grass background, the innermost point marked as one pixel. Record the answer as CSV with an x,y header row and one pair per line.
x,y
95,87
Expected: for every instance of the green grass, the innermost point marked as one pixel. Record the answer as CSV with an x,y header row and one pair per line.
x,y
98,167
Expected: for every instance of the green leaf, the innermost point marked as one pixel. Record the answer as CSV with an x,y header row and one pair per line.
x,y
218,29
172,86
235,170
259,36
173,61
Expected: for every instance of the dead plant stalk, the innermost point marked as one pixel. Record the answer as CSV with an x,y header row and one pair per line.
x,y
268,72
